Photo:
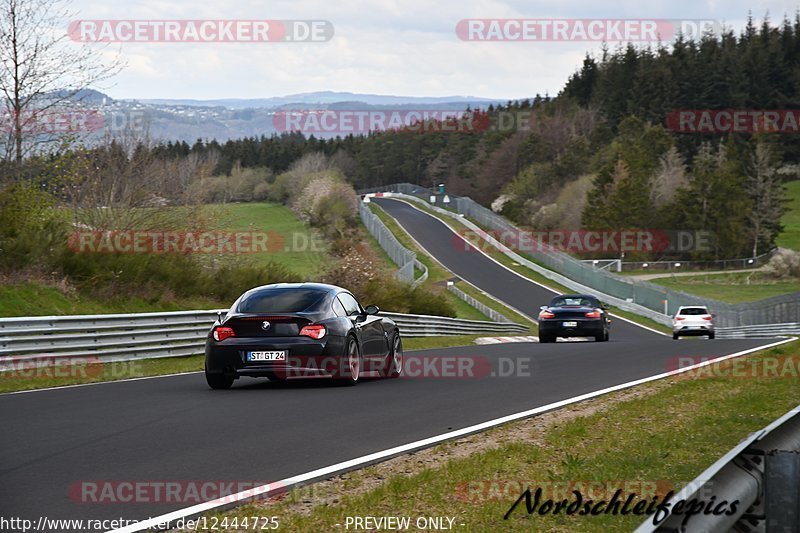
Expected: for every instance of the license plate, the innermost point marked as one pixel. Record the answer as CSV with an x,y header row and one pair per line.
x,y
279,355
569,324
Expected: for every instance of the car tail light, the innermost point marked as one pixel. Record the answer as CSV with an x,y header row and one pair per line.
x,y
707,317
679,318
593,314
546,314
315,331
221,333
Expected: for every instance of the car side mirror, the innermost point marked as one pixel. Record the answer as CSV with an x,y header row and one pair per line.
x,y
372,309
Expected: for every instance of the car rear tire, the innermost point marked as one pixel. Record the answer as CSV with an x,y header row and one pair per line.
x,y
603,337
349,370
393,365
711,336
543,337
219,381
674,336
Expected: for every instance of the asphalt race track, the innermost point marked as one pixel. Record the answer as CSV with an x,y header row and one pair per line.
x,y
56,442
467,263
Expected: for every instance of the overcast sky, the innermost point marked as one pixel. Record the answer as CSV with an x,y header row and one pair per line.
x,y
400,47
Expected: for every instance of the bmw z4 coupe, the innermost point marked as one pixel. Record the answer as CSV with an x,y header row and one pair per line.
x,y
301,330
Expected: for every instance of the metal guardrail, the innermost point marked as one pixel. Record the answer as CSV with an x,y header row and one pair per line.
x,y
758,331
126,337
638,296
483,308
402,256
762,473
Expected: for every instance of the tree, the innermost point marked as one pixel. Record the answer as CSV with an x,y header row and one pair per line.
x,y
765,188
39,69
670,176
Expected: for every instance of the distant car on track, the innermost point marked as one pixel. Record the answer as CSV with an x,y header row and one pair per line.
x,y
301,330
693,320
574,315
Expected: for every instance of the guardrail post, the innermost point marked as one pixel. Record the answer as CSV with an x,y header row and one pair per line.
x,y
782,492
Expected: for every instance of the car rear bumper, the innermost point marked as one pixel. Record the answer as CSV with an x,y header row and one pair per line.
x,y
582,328
693,330
305,357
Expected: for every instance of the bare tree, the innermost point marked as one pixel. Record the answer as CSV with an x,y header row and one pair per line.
x,y
765,188
669,177
40,69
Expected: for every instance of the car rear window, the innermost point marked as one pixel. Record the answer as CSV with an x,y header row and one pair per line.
x,y
692,311
280,300
561,301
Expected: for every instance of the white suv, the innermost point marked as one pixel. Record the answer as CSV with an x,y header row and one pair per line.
x,y
692,320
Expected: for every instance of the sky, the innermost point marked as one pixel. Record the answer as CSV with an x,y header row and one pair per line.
x,y
397,47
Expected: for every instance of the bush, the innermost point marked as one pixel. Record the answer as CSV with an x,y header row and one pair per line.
x,y
30,228
243,185
783,265
392,295
153,276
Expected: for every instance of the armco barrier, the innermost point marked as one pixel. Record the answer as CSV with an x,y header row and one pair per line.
x,y
472,302
125,337
759,331
761,473
638,296
402,256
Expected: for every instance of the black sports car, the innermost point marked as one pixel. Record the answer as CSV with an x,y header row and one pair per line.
x,y
301,330
574,315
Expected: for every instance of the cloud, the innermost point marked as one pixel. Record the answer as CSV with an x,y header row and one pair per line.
x,y
406,47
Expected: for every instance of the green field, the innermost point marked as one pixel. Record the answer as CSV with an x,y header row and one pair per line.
x,y
301,250
790,237
731,288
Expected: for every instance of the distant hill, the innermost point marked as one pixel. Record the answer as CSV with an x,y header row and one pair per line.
x,y
320,97
231,118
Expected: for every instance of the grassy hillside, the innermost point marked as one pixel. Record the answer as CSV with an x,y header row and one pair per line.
x,y
36,299
731,288
302,252
790,237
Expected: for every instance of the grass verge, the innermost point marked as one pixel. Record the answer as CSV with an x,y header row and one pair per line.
x,y
647,440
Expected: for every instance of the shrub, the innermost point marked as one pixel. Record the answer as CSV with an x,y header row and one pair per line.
x,y
784,264
154,275
30,228
396,296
